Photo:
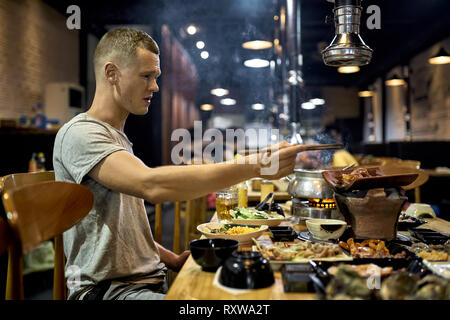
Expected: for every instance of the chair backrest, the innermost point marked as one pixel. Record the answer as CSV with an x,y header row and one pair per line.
x,y
38,210
43,210
22,179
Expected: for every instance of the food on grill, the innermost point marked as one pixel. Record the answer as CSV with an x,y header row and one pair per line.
x,y
347,179
364,270
298,250
369,249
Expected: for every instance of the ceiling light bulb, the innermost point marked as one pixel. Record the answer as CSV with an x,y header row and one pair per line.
x,y
439,60
365,94
206,107
256,63
204,54
258,106
219,92
308,106
442,57
317,101
395,82
348,69
228,102
257,45
200,44
191,29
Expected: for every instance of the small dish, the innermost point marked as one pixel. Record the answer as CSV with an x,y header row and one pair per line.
x,y
407,222
210,254
326,229
283,233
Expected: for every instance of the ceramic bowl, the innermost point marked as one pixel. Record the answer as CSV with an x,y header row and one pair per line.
x,y
246,270
210,254
420,210
326,229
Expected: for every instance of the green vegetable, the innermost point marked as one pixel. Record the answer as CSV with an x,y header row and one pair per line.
x,y
247,213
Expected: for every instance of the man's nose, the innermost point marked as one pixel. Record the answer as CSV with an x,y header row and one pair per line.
x,y
154,87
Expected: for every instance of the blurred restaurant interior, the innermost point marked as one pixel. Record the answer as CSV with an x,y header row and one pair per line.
x,y
282,84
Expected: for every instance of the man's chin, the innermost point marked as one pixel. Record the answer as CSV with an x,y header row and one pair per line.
x,y
141,111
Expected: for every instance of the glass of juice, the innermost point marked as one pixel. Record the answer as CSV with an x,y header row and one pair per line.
x,y
226,200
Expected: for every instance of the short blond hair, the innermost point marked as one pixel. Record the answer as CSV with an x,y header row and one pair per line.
x,y
119,45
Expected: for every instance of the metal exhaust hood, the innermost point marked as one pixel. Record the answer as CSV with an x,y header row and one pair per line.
x,y
347,47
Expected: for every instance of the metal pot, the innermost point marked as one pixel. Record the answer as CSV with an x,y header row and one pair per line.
x,y
309,184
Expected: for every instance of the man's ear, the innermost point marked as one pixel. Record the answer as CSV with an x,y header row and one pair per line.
x,y
111,73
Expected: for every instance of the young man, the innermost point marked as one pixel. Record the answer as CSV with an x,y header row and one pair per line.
x,y
112,248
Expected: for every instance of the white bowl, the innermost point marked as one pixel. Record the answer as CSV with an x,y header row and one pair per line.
x,y
326,229
242,238
420,210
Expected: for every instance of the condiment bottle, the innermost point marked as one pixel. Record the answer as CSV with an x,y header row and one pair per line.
x,y
243,194
32,164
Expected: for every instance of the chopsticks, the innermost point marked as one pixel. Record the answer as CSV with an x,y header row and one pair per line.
x,y
330,146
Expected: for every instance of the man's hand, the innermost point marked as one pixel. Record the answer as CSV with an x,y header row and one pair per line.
x,y
172,260
275,162
179,261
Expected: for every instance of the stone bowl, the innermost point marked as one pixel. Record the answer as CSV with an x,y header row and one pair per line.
x,y
372,214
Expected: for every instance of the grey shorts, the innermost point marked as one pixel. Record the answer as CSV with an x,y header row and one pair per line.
x,y
133,291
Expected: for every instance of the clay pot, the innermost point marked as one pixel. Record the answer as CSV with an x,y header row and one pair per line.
x,y
372,214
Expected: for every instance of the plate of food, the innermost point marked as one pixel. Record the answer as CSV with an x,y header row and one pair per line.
x,y
298,251
375,280
365,178
374,249
241,233
254,217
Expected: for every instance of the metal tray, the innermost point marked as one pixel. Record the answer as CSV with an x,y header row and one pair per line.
x,y
429,236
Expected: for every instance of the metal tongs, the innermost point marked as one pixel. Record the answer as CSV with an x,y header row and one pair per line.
x,y
270,196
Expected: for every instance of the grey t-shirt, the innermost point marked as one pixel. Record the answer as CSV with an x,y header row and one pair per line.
x,y
114,241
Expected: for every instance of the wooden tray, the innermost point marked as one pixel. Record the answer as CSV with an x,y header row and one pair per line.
x,y
378,179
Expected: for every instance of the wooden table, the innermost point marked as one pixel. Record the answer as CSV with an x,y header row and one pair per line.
x,y
192,283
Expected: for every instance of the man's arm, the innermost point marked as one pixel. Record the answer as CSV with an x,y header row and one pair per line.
x,y
125,173
172,260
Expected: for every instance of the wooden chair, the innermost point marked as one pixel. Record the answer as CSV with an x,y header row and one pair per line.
x,y
193,212
177,226
39,210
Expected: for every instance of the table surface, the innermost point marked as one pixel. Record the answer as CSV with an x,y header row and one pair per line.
x,y
192,283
